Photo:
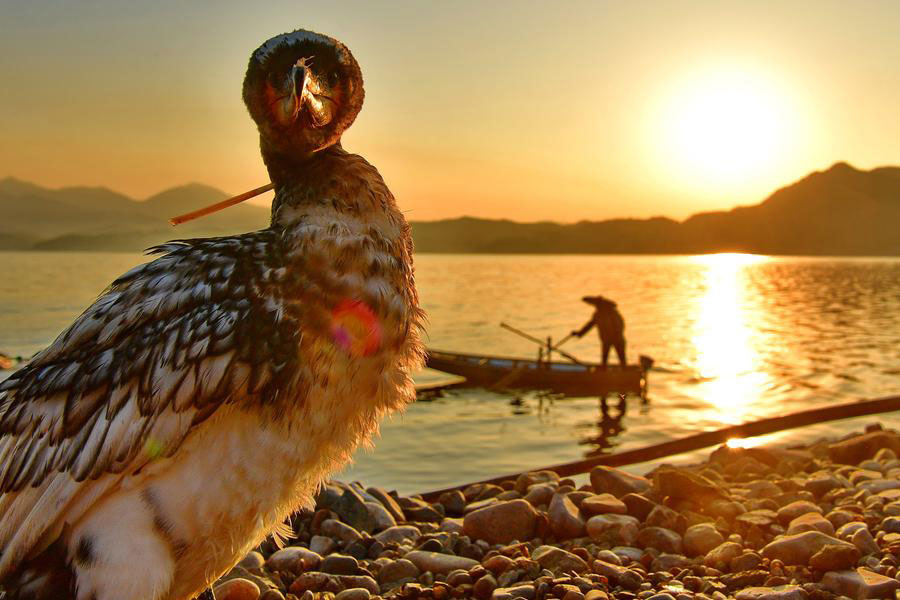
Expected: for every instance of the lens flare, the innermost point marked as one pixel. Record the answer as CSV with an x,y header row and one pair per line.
x,y
355,328
153,448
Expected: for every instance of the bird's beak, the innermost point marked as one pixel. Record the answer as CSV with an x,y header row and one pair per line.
x,y
310,96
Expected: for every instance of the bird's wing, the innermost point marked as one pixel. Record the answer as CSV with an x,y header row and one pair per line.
x,y
165,346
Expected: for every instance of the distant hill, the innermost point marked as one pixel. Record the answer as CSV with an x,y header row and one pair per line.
x,y
839,211
96,218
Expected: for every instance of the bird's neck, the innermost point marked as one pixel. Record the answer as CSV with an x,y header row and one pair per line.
x,y
288,165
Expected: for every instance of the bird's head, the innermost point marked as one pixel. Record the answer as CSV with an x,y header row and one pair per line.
x,y
303,90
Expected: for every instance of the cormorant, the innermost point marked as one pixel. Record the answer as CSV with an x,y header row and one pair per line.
x,y
206,394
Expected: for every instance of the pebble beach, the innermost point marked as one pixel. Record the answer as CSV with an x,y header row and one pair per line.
x,y
818,522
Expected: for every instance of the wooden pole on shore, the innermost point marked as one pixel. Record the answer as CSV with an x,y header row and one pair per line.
x,y
698,441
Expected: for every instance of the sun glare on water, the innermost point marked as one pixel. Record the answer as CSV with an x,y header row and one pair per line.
x,y
727,361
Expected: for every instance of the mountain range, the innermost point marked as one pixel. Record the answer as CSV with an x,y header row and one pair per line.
x,y
838,211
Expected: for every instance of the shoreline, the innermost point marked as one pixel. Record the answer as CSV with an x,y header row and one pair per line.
x,y
817,522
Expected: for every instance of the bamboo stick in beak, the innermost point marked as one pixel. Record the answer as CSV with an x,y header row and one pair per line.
x,y
208,210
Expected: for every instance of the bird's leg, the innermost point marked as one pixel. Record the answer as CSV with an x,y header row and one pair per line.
x,y
207,595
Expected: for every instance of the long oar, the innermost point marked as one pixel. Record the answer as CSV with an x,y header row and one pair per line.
x,y
540,342
562,341
707,438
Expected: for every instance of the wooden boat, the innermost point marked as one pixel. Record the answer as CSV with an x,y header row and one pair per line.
x,y
573,379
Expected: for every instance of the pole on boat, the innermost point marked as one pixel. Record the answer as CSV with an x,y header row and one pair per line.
x,y
705,439
549,349
541,343
561,342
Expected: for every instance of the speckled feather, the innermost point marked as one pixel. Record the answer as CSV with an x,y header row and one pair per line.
x,y
185,333
145,412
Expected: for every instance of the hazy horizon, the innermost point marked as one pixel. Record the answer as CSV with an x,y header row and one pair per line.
x,y
573,220
501,110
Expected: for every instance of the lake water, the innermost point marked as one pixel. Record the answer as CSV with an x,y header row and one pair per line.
x,y
735,338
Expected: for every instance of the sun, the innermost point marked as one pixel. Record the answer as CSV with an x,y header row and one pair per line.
x,y
722,127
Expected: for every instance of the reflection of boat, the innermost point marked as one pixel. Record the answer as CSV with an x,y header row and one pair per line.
x,y
565,377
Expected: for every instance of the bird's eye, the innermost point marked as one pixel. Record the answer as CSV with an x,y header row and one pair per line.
x,y
333,78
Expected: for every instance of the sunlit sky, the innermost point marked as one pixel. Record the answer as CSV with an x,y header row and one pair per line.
x,y
521,110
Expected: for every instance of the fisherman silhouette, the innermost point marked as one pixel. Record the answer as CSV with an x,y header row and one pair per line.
x,y
610,325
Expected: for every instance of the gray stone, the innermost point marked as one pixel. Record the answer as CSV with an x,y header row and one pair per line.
x,y
726,509
722,555
237,589
388,502
452,525
617,575
358,581
294,559
811,521
398,570
760,517
617,482
339,564
502,523
380,515
821,482
858,448
700,539
879,485
861,583
628,553
667,562
664,540
784,592
610,557
484,587
749,561
565,521
638,506
454,502
253,560
526,480
663,516
798,549
353,594
762,488
839,517
348,504
558,560
864,542
601,504
341,531
322,544
788,513
540,494
419,511
891,524
439,563
399,534
834,558
613,529
676,482
509,593
860,475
